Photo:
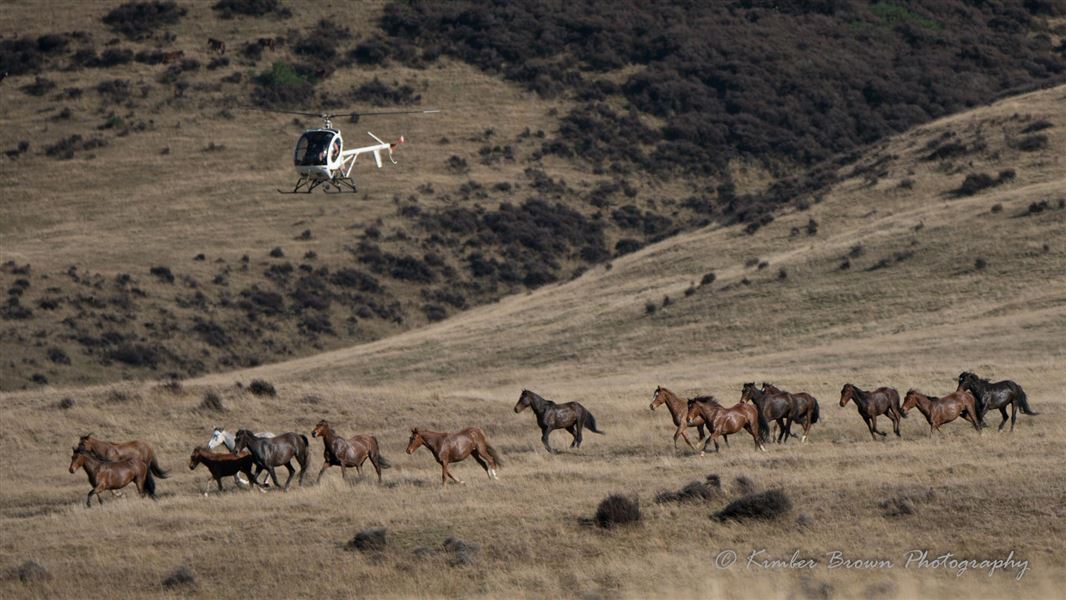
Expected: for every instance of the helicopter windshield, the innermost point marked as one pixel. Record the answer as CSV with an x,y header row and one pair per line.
x,y
311,149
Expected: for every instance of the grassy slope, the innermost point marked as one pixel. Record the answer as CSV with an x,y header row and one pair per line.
x,y
916,324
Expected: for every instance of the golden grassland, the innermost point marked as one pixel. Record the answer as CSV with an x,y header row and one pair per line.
x,y
916,323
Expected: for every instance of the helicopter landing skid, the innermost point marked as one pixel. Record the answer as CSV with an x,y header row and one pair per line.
x,y
340,185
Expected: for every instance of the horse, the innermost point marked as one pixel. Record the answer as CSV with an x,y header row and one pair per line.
x,y
804,409
724,420
112,475
996,395
172,57
351,452
277,451
772,406
223,465
455,447
882,401
216,46
269,43
679,412
943,410
220,436
114,451
571,416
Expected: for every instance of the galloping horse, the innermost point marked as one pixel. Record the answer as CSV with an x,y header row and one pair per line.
x,y
223,465
277,451
220,436
455,447
772,406
804,409
679,412
943,410
882,401
111,451
351,452
996,395
570,416
112,475
727,420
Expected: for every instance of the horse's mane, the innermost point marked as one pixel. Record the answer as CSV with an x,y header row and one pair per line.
x,y
703,399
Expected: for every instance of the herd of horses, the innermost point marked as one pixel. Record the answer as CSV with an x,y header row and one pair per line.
x,y
113,466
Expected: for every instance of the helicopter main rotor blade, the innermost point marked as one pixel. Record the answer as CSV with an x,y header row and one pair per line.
x,y
387,112
284,112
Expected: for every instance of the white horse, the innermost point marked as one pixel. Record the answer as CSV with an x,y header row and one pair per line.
x,y
220,436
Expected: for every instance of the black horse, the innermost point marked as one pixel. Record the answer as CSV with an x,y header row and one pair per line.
x,y
804,410
268,453
772,406
996,395
570,416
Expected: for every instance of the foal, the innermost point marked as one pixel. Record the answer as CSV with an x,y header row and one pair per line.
x,y
943,410
678,408
223,465
112,475
454,447
351,452
882,401
571,416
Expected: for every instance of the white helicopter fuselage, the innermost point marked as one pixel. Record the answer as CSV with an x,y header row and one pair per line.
x,y
320,155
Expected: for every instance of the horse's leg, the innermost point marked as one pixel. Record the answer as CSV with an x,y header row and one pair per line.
x,y
218,480
1003,411
783,434
89,498
573,433
968,415
681,433
448,472
292,473
325,465
344,473
544,431
1013,414
699,428
578,437
754,431
869,426
895,423
873,424
788,427
273,475
481,461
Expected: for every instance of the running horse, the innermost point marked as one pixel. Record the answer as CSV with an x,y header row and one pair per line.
x,y
804,409
112,475
882,401
724,420
223,464
938,411
350,452
454,447
220,436
571,416
996,395
772,406
277,451
112,451
679,412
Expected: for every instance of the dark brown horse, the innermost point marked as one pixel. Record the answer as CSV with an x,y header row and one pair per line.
x,y
223,464
112,475
118,451
351,452
998,395
804,409
277,451
882,401
454,447
679,413
772,406
938,411
570,416
724,420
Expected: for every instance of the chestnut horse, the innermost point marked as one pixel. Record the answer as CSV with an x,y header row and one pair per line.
x,y
112,451
772,406
724,420
277,451
224,464
571,416
112,475
882,401
943,410
996,395
455,447
804,409
679,412
351,452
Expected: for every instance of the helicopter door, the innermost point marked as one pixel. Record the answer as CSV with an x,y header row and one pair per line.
x,y
312,147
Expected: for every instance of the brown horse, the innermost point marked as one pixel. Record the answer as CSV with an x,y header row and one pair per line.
x,y
882,401
351,452
943,410
112,475
772,406
724,420
679,412
113,451
804,409
224,464
216,46
571,416
454,447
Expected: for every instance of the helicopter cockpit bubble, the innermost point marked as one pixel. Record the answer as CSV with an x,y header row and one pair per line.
x,y
317,148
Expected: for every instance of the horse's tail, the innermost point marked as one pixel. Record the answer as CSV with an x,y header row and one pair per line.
x,y
154,468
149,483
978,404
494,454
376,452
764,426
590,422
301,452
1023,402
814,411
896,407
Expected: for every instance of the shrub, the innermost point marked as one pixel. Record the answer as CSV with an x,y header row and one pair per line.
x,y
227,9
67,403
39,87
708,279
181,578
135,355
276,252
650,308
980,264
975,182
435,312
696,491
369,540
996,208
1039,125
767,505
1032,143
617,510
162,273
260,387
282,86
812,227
211,402
58,356
137,20
65,148
378,93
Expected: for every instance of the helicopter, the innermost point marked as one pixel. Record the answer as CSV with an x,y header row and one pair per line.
x,y
321,160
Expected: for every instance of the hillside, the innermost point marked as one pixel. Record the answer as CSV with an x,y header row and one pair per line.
x,y
142,238
954,240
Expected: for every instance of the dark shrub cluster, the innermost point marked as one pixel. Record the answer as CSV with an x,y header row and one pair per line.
x,y
227,9
617,510
65,148
282,86
760,506
378,93
976,182
260,387
138,20
20,56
